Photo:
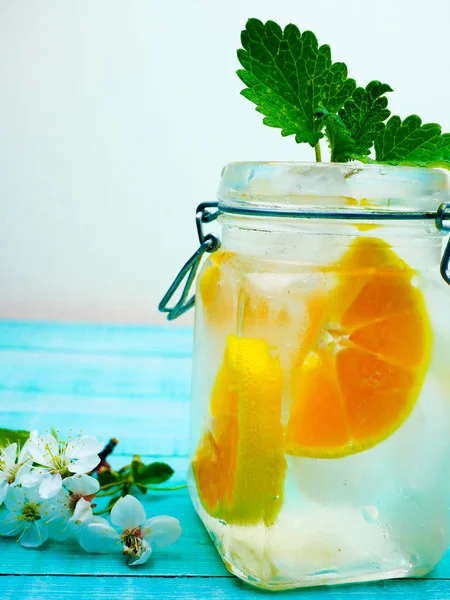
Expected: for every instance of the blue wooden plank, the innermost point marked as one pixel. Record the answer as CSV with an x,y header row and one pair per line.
x,y
147,427
181,588
141,398
93,374
134,340
130,382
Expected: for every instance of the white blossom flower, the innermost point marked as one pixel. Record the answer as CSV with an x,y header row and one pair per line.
x,y
14,465
137,536
25,516
56,460
71,508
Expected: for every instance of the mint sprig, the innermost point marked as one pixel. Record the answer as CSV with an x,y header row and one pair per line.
x,y
411,143
352,132
296,86
288,75
342,144
364,114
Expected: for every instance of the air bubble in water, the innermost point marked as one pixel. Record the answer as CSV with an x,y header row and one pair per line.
x,y
370,513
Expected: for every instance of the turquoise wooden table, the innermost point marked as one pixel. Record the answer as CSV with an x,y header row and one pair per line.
x,y
132,383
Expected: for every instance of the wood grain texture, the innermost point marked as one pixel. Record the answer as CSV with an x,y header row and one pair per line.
x,y
133,383
182,588
125,382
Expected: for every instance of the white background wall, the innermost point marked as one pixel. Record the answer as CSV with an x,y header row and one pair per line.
x,y
116,117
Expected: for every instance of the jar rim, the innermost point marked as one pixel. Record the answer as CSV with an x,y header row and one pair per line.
x,y
290,187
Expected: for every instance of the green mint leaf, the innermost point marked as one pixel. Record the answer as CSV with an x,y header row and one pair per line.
x,y
364,114
156,472
411,143
10,436
342,144
288,76
352,132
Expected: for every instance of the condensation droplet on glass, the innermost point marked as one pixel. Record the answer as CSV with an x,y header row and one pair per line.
x,y
370,513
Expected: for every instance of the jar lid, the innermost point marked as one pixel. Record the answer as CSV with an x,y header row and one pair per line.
x,y
289,187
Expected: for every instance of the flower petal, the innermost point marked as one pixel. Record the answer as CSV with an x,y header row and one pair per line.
x,y
100,538
162,531
25,452
57,507
58,529
31,477
43,449
50,486
85,464
10,524
32,495
128,513
82,512
95,519
9,455
84,485
35,535
4,487
143,558
84,445
22,472
15,499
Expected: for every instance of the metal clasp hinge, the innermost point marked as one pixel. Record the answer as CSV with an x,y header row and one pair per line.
x,y
206,213
443,213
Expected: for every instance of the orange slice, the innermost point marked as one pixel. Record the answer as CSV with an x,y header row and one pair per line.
x,y
367,353
229,299
239,465
215,288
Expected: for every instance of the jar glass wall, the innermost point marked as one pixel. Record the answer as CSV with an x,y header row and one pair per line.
x,y
321,392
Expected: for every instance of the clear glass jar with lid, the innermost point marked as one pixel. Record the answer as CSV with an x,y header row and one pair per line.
x,y
320,425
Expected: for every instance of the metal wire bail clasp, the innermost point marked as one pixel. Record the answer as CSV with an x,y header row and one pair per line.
x,y
443,213
206,213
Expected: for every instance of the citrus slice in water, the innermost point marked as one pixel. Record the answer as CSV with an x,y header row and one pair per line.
x,y
360,369
216,291
229,298
239,465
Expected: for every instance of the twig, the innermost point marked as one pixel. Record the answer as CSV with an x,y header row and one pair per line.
x,y
103,455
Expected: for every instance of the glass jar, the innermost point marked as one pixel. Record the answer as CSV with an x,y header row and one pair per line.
x,y
320,425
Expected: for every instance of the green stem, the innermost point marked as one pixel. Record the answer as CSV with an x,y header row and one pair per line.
x,y
318,152
113,484
110,493
102,512
107,509
165,489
